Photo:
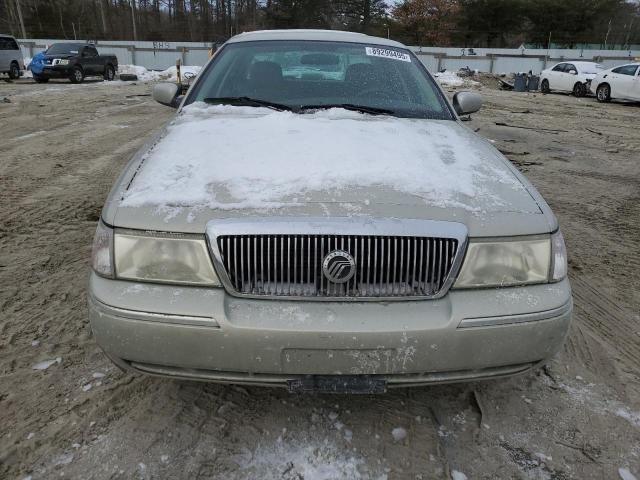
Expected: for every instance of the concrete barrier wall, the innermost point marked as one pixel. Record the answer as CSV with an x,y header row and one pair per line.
x,y
161,55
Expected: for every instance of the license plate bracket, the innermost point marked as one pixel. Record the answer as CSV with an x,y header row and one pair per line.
x,y
338,384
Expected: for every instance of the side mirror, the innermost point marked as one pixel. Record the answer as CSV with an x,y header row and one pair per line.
x,y
573,72
466,103
166,94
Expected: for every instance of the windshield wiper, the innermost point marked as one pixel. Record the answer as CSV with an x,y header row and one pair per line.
x,y
349,106
247,102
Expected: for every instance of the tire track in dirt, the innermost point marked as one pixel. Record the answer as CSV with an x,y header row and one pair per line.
x,y
608,321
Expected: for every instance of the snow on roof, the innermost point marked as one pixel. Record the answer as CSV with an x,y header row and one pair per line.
x,y
228,157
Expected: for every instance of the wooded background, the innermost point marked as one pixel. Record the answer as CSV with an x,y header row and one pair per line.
x,y
461,23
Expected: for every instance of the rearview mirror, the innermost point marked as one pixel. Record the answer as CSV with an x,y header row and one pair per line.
x,y
319,59
166,94
466,103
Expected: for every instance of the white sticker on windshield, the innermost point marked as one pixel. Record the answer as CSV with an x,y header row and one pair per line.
x,y
386,53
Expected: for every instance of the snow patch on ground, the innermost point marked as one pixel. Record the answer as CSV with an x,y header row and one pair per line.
x,y
399,434
625,474
587,396
452,79
322,461
240,157
46,364
170,74
456,475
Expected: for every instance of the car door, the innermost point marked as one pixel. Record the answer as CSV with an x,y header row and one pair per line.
x,y
555,76
622,81
636,84
567,79
88,57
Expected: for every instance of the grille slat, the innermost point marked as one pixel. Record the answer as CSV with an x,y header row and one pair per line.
x,y
291,265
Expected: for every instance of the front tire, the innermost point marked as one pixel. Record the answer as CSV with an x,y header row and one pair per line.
x,y
603,93
40,79
14,71
544,86
109,73
77,75
579,90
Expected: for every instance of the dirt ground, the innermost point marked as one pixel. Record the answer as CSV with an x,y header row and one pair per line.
x,y
62,146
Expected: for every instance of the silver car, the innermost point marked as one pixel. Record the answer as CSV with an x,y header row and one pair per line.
x,y
317,216
11,61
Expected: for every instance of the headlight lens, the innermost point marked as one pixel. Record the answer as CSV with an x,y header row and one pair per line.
x,y
102,251
507,263
163,258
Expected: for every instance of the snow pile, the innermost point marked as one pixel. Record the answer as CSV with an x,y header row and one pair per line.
x,y
452,79
27,72
241,157
449,79
170,74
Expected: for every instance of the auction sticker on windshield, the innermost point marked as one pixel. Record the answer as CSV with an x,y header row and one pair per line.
x,y
386,53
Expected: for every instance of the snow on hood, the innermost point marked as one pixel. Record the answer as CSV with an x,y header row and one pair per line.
x,y
225,157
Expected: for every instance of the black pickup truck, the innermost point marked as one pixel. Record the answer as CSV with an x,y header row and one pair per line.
x,y
74,61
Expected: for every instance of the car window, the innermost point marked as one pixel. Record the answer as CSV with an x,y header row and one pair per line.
x,y
319,73
626,70
569,66
63,49
7,43
91,52
559,67
590,68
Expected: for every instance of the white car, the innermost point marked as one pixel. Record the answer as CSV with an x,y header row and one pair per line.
x,y
573,77
622,82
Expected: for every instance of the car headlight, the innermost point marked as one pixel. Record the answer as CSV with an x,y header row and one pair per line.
x,y
163,258
513,262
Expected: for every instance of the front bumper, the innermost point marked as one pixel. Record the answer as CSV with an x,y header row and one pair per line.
x,y
206,334
59,71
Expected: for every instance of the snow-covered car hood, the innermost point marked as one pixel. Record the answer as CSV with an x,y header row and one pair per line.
x,y
222,162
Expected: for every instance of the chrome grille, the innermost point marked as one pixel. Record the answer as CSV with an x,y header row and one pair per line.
x,y
290,265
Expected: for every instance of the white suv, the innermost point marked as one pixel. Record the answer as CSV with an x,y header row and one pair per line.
x,y
11,61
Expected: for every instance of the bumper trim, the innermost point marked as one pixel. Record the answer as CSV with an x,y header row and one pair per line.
x,y
514,319
276,380
154,317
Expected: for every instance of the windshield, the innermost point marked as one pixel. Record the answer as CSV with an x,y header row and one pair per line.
x,y
305,74
63,49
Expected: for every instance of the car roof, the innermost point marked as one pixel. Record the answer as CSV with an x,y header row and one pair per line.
x,y
317,35
5,35
578,62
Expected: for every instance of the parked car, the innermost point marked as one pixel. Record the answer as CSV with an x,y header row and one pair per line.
x,y
573,77
337,231
74,61
11,61
620,83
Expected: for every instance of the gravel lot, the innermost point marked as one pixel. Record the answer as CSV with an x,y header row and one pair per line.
x,y
62,146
